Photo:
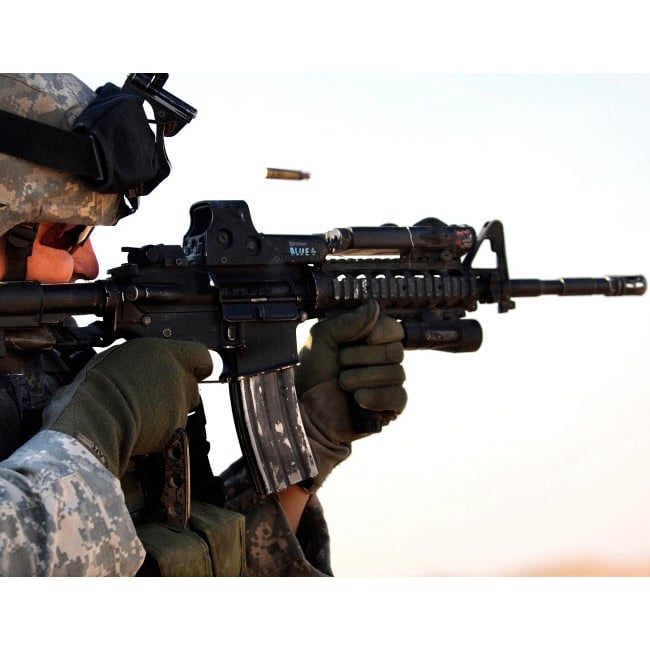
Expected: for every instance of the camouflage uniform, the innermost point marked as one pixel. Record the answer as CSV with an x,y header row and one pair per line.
x,y
272,549
61,511
51,477
63,514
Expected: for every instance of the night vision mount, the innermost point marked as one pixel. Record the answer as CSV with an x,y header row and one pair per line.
x,y
111,145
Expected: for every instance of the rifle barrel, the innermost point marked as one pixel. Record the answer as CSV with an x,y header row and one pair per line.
x,y
19,298
611,285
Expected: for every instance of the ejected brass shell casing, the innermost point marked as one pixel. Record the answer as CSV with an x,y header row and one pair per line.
x,y
287,174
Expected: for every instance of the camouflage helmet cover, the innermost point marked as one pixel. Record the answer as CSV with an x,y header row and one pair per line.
x,y
31,193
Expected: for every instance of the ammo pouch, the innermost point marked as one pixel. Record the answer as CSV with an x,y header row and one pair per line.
x,y
213,541
213,544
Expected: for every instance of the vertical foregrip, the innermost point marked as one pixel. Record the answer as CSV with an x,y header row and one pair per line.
x,y
270,430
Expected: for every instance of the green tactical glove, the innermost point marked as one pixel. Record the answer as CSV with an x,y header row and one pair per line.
x,y
130,399
335,375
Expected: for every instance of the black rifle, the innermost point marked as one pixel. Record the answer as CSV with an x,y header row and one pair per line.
x,y
243,293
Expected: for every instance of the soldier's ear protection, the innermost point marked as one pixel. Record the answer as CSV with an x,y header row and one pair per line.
x,y
111,145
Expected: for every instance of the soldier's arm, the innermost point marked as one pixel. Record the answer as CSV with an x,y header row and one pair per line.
x,y
293,501
62,513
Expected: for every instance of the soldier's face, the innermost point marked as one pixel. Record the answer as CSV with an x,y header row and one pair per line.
x,y
54,262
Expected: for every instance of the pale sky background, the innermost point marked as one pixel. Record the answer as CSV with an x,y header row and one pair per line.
x,y
533,450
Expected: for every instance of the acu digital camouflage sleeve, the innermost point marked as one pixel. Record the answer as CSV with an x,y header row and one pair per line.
x,y
63,514
272,548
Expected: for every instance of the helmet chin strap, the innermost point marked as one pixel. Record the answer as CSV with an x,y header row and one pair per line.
x,y
20,240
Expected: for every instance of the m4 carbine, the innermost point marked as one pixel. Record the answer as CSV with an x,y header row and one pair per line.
x,y
243,293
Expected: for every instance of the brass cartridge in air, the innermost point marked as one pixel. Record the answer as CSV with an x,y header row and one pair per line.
x,y
287,174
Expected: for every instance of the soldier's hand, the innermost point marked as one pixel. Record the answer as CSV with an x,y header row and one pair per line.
x,y
355,356
130,399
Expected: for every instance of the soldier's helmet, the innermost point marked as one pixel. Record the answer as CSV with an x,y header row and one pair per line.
x,y
34,193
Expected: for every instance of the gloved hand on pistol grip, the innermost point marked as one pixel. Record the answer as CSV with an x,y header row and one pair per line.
x,y
130,399
358,356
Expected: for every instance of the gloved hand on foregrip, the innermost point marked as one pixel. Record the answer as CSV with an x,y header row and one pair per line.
x,y
351,360
130,399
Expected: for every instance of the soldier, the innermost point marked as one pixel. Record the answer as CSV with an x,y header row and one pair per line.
x,y
73,426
